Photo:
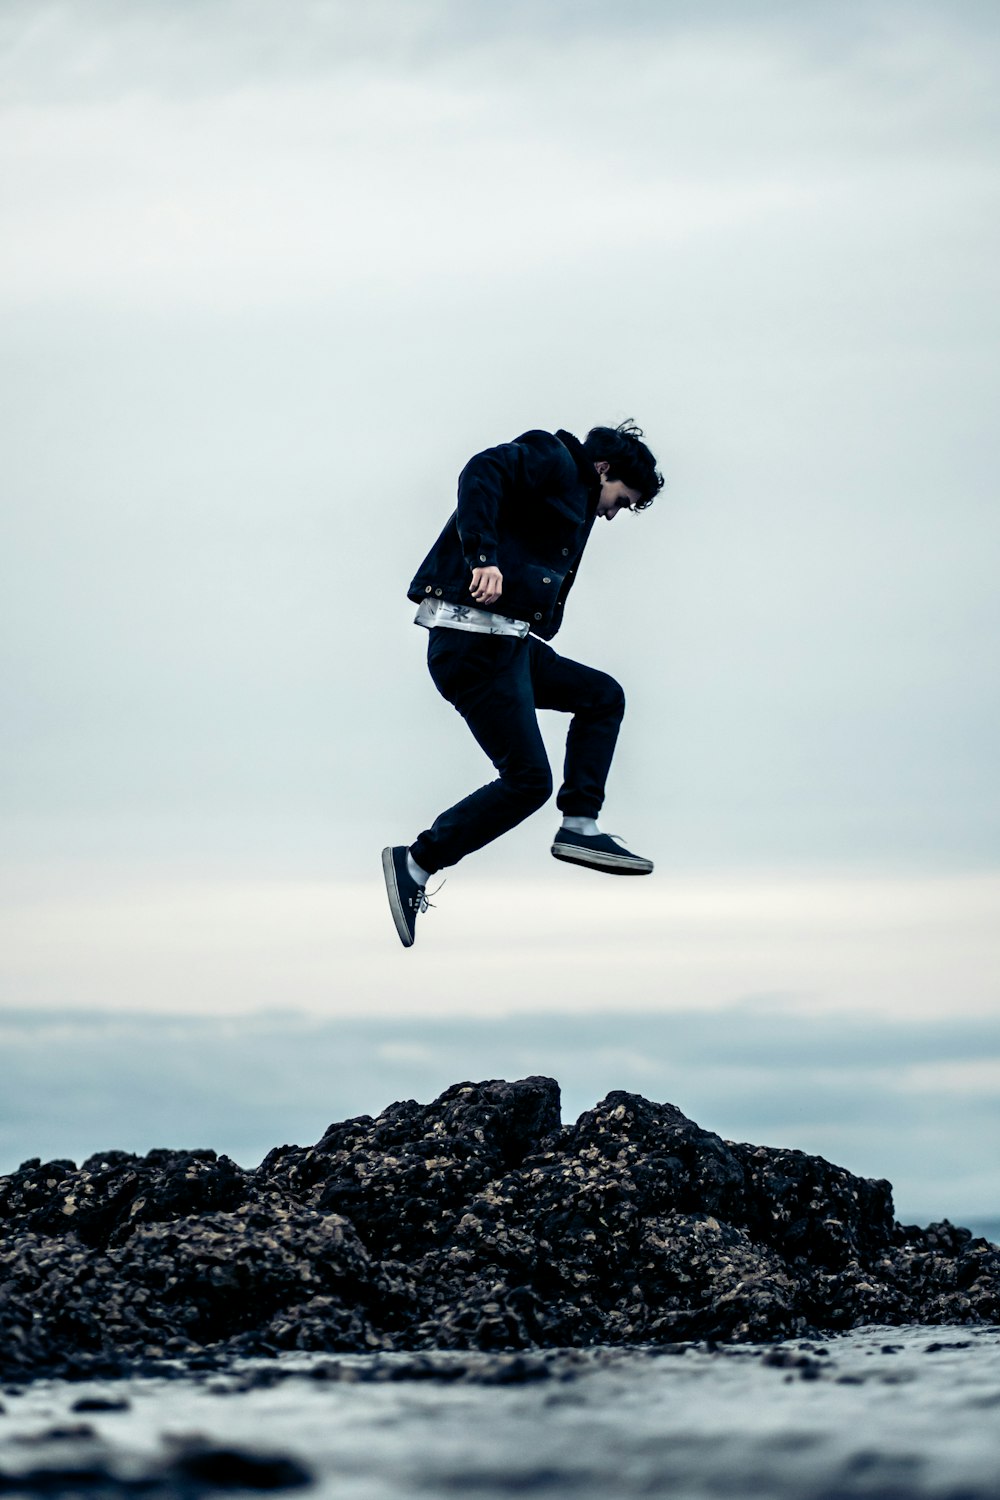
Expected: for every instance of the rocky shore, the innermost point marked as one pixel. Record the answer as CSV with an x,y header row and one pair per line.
x,y
477,1222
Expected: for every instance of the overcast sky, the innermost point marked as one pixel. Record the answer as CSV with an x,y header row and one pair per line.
x,y
270,274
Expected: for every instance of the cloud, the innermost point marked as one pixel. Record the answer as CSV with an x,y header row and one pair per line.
x,y
222,156
159,939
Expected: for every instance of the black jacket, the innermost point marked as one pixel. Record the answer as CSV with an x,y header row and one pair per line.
x,y
525,507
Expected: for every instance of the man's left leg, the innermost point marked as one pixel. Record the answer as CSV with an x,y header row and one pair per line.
x,y
597,704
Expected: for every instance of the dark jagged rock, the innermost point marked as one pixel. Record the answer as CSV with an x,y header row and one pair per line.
x,y
475,1222
404,1178
111,1193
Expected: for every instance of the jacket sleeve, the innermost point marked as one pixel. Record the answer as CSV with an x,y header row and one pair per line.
x,y
491,477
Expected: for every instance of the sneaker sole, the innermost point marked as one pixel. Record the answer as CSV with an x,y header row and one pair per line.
x,y
611,864
395,902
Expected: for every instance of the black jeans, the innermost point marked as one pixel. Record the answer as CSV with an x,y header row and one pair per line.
x,y
496,682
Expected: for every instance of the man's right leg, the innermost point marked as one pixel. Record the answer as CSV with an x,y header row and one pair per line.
x,y
597,704
487,678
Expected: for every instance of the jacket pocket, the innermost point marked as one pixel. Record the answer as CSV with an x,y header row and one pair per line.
x,y
530,591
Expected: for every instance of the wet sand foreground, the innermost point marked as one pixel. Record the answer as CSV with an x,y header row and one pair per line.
x,y
888,1412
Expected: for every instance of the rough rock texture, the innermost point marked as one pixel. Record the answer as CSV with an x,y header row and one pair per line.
x,y
475,1222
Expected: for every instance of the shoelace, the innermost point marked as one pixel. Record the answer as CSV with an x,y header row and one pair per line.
x,y
421,900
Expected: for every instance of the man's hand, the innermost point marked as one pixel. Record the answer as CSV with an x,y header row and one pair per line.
x,y
486,586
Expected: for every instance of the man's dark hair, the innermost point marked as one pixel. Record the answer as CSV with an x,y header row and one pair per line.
x,y
627,458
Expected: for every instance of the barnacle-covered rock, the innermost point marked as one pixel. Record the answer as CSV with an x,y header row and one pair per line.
x,y
474,1222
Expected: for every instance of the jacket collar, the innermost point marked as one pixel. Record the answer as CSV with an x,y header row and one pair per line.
x,y
589,480
584,467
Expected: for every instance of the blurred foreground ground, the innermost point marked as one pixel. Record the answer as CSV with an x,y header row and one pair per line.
x,y
881,1411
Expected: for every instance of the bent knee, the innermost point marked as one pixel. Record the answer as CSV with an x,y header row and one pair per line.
x,y
612,696
531,785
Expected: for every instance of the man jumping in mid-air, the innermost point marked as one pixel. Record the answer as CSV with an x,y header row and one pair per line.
x,y
491,592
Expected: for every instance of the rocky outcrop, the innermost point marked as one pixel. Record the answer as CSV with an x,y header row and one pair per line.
x,y
475,1222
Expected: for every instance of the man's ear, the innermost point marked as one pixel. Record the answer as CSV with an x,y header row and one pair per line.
x,y
602,466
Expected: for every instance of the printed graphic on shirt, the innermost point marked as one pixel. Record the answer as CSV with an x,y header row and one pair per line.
x,y
434,612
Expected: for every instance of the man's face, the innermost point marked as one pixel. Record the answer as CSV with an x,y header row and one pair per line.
x,y
615,494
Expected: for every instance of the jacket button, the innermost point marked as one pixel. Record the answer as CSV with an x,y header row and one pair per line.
x,y
428,590
546,580
482,557
438,592
538,614
565,552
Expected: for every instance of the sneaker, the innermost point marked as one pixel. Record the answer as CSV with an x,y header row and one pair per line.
x,y
406,899
599,851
